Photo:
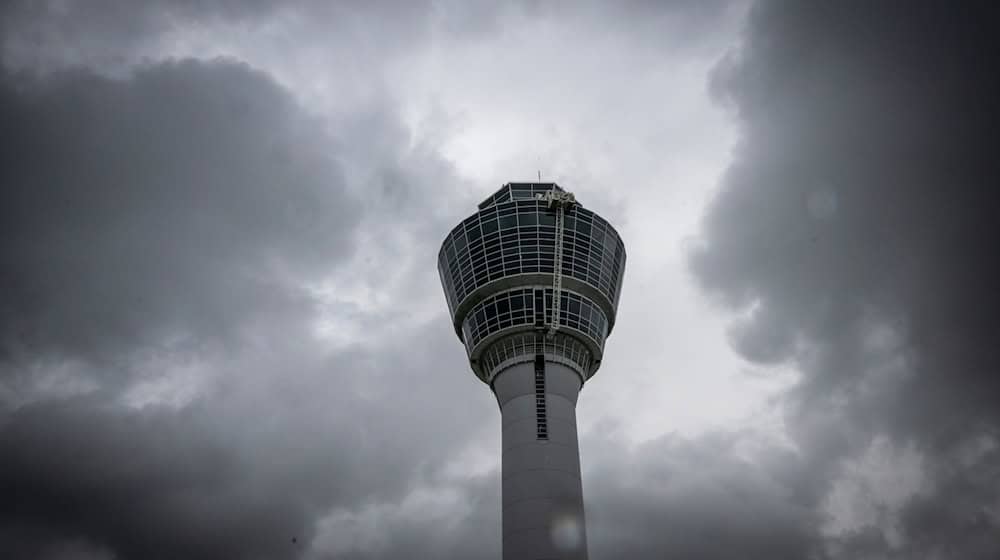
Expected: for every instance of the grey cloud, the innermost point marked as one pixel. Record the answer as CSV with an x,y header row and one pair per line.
x,y
51,34
857,219
146,484
291,434
173,219
464,525
864,271
697,498
113,35
172,204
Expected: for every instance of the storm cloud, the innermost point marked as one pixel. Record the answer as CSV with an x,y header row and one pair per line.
x,y
166,204
163,393
221,330
855,232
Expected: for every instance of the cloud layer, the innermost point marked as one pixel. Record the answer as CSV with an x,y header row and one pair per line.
x,y
221,334
164,391
170,204
853,229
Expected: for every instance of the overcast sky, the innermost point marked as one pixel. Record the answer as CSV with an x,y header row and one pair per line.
x,y
222,333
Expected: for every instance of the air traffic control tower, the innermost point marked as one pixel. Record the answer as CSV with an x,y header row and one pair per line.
x,y
532,281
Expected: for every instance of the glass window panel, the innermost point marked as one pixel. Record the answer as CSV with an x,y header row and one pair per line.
x,y
574,306
473,233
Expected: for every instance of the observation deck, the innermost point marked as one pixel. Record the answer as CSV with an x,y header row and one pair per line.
x,y
499,271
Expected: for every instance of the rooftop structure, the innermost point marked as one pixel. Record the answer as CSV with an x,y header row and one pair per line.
x,y
532,282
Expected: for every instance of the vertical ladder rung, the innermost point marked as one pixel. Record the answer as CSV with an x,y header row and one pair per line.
x,y
541,427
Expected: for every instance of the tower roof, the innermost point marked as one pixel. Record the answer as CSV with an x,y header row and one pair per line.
x,y
518,191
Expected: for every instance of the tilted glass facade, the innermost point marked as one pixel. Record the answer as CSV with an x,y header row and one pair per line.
x,y
496,268
518,237
533,307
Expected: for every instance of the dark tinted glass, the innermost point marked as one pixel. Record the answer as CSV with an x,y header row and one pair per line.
x,y
470,258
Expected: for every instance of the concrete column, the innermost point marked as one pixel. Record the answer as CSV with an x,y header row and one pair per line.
x,y
542,493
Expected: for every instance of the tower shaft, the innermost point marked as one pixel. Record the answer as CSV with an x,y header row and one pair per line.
x,y
543,516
